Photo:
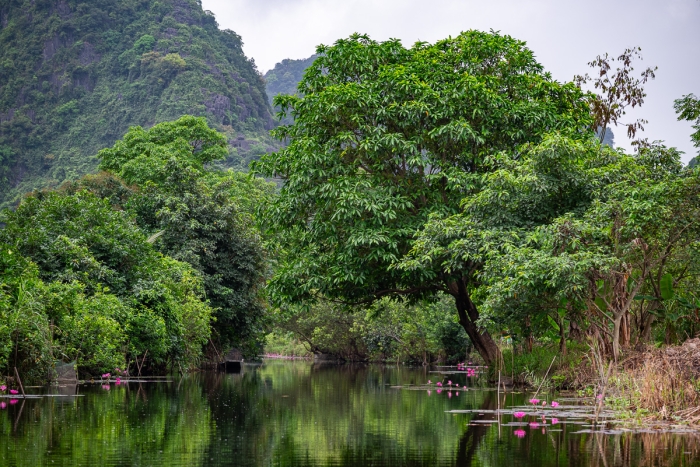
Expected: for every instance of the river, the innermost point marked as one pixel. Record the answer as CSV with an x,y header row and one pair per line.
x,y
284,413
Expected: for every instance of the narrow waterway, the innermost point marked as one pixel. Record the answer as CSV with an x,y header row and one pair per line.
x,y
298,413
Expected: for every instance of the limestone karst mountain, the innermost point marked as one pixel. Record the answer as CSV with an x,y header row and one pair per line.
x,y
75,74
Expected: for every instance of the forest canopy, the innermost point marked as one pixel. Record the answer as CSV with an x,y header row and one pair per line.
x,y
157,256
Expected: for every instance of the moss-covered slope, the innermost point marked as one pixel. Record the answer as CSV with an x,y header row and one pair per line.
x,y
74,75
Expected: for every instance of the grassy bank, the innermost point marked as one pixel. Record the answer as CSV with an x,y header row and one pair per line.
x,y
646,385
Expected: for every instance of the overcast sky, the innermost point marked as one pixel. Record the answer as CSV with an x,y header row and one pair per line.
x,y
564,34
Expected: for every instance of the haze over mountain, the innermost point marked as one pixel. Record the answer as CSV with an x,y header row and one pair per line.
x,y
74,75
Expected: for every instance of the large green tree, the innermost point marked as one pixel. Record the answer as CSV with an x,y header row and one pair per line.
x,y
580,232
199,216
384,137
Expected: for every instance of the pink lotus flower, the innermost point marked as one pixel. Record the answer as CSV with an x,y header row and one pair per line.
x,y
439,383
519,433
106,375
3,406
430,382
13,401
449,382
519,414
555,421
439,391
534,401
14,391
555,404
118,381
3,388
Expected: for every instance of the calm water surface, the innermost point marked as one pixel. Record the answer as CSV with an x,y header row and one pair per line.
x,y
302,414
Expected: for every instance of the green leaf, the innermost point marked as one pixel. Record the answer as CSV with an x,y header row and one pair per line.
x,y
666,286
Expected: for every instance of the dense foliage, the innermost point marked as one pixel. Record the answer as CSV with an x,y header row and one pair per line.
x,y
387,331
202,217
159,257
688,108
75,75
385,137
82,283
577,236
414,181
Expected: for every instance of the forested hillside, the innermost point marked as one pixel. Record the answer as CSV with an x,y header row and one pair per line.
x,y
75,75
285,76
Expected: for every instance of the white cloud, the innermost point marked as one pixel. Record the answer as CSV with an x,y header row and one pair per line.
x,y
564,34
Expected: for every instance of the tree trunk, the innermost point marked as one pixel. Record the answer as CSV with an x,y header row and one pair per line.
x,y
617,324
562,338
468,315
575,332
647,320
625,330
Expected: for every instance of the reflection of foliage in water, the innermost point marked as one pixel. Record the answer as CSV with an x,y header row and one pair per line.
x,y
152,426
297,413
342,415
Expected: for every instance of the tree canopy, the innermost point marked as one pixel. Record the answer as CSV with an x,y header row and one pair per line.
x,y
201,217
384,137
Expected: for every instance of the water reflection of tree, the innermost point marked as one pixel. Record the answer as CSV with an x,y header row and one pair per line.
x,y
298,414
471,439
301,414
166,429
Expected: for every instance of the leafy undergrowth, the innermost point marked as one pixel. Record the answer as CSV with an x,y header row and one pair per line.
x,y
530,368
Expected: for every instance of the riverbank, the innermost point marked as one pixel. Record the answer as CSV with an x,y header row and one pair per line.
x,y
648,387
